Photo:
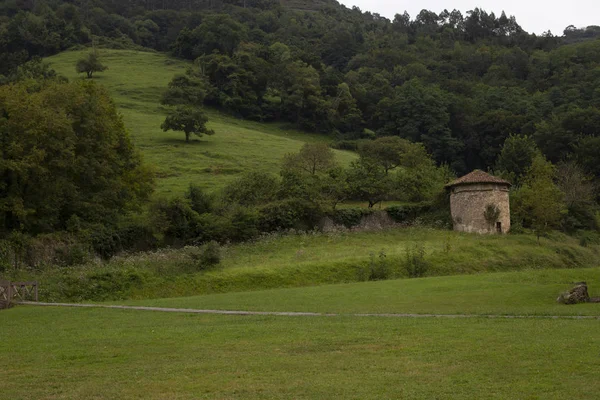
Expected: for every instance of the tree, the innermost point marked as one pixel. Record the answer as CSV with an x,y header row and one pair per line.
x,y
313,175
386,151
90,64
188,89
65,155
187,119
579,196
252,189
313,158
516,157
419,179
539,202
368,181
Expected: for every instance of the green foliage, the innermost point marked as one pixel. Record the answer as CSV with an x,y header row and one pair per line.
x,y
252,189
185,89
386,151
66,152
90,64
368,181
289,214
491,214
312,159
408,213
516,157
350,217
459,84
200,201
187,119
539,202
415,263
379,268
208,256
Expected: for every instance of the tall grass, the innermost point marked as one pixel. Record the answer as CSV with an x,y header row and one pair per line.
x,y
279,261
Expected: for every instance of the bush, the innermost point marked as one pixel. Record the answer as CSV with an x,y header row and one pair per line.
x,y
379,268
289,214
207,256
254,188
415,264
137,237
199,200
409,212
349,217
105,242
587,238
244,224
101,285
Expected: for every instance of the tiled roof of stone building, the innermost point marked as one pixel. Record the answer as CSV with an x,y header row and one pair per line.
x,y
477,176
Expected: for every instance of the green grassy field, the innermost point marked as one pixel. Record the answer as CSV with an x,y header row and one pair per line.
x,y
51,353
136,80
68,353
531,292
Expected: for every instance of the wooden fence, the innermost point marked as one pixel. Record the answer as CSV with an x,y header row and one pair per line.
x,y
11,292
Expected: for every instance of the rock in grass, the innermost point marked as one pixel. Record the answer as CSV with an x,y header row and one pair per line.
x,y
579,294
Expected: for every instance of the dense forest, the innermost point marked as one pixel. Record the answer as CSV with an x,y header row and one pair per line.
x,y
470,90
460,84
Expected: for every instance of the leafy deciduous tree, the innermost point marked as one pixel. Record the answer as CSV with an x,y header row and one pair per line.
x,y
90,65
187,119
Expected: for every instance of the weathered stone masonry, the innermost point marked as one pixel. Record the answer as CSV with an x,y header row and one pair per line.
x,y
471,195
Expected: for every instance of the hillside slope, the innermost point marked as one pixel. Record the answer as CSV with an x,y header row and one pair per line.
x,y
136,81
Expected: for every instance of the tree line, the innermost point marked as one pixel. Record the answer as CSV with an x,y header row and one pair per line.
x,y
460,84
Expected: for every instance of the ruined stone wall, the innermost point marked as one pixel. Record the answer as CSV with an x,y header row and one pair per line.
x,y
469,202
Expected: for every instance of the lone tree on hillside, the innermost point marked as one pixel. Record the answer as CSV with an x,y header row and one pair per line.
x,y
190,120
90,64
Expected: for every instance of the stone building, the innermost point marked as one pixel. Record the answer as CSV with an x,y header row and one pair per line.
x,y
479,203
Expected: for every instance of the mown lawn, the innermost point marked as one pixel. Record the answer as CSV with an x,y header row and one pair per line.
x,y
530,292
136,81
52,353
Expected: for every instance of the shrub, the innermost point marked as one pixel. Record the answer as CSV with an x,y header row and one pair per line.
x,y
379,268
207,256
175,219
407,213
349,217
415,264
105,241
253,188
289,214
101,285
199,200
137,237
244,224
587,238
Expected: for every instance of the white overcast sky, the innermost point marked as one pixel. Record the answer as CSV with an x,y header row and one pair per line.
x,y
534,16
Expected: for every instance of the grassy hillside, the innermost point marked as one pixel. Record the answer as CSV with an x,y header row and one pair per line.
x,y
307,260
136,81
109,354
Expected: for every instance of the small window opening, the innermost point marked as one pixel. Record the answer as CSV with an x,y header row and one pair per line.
x,y
499,227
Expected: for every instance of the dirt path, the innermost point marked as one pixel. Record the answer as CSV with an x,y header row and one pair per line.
x,y
306,314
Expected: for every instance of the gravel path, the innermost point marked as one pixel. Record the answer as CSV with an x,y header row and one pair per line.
x,y
307,314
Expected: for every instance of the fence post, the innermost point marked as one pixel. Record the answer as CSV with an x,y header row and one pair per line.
x,y
9,294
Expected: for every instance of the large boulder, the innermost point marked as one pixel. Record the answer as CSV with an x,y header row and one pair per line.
x,y
579,294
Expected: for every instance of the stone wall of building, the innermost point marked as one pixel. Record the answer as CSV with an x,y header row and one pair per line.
x,y
469,202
